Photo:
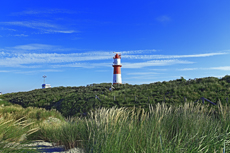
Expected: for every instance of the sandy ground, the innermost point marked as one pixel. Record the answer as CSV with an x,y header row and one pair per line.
x,y
46,147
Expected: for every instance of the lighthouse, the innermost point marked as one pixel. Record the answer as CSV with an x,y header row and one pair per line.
x,y
117,69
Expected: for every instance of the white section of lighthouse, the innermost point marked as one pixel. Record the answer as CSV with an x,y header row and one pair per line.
x,y
117,69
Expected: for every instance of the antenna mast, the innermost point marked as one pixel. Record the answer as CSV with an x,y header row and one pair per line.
x,y
44,78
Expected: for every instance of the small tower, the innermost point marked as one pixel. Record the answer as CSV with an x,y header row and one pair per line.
x,y
117,69
45,85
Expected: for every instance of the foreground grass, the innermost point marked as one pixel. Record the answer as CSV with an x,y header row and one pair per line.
x,y
19,125
13,134
168,129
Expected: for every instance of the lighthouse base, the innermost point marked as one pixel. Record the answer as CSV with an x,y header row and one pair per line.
x,y
117,79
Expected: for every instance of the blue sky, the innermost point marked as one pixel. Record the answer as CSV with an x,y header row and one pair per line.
x,y
72,42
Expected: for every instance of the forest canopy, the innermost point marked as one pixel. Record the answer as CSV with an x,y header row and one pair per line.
x,y
77,101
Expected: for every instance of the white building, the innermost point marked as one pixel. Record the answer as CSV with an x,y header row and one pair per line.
x,y
0,93
46,86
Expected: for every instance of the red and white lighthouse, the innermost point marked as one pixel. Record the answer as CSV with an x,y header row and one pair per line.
x,y
117,69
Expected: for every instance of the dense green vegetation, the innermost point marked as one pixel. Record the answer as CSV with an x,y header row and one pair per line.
x,y
77,101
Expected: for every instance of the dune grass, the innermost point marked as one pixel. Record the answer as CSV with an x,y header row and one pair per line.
x,y
19,126
167,129
162,128
13,133
35,114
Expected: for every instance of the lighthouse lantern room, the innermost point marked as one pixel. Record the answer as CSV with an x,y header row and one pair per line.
x,y
117,69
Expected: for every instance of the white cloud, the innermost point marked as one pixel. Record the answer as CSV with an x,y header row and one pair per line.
x,y
187,69
21,35
128,65
40,25
158,69
51,70
35,71
28,56
155,63
84,65
31,24
137,51
61,31
142,73
3,71
36,47
170,56
224,68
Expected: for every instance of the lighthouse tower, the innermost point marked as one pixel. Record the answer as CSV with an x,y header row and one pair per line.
x,y
117,69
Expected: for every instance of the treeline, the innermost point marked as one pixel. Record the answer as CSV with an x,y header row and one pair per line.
x,y
77,101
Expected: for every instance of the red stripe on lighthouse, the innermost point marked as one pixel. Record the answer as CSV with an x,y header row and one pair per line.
x,y
117,70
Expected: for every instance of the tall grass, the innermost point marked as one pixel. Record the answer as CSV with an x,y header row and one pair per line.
x,y
19,126
13,134
32,113
168,129
162,128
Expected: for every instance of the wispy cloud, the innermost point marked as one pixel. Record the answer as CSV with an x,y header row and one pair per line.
x,y
21,35
61,31
31,24
2,28
34,71
224,68
143,73
18,60
35,56
35,47
163,19
83,65
187,69
155,63
158,69
138,51
171,56
44,12
3,71
45,27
